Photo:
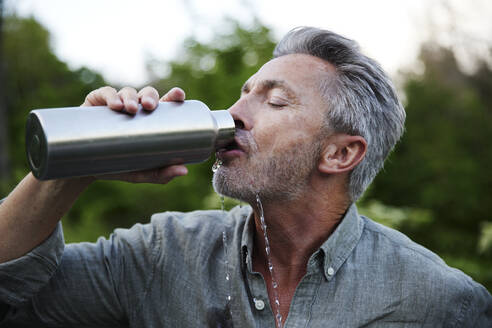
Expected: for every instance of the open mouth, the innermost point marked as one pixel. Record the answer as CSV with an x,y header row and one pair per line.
x,y
232,146
231,149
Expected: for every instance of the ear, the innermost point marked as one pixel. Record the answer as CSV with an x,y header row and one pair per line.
x,y
342,153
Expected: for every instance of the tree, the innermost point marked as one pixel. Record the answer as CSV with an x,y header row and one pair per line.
x,y
35,78
4,156
445,156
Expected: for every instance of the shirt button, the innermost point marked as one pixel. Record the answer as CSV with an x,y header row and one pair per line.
x,y
259,304
331,271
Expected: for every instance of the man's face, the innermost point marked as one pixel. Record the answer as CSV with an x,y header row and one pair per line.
x,y
280,114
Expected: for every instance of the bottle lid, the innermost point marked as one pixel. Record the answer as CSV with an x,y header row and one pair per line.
x,y
226,128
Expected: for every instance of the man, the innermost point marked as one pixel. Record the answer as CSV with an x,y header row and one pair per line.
x,y
314,126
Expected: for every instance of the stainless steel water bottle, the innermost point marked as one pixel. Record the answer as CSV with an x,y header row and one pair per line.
x,y
82,141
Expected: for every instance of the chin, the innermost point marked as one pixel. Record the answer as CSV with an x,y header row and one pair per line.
x,y
233,185
244,187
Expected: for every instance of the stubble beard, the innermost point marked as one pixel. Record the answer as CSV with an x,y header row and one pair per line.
x,y
282,176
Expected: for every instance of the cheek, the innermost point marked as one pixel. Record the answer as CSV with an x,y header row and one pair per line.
x,y
290,132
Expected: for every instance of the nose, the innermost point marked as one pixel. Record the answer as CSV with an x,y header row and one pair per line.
x,y
241,114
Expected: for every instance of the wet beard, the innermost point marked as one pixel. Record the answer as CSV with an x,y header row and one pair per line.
x,y
282,176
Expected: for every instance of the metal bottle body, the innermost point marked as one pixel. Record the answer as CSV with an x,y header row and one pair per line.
x,y
83,141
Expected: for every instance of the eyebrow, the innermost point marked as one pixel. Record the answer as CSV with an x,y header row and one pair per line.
x,y
266,85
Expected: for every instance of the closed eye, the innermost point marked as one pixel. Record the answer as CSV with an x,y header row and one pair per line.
x,y
276,105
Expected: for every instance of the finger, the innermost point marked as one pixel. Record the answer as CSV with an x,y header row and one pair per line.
x,y
105,96
166,174
175,94
148,97
158,176
161,175
130,99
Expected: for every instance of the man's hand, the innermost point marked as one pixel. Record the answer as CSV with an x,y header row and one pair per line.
x,y
32,210
128,100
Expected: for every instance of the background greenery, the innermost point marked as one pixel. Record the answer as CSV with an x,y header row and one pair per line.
x,y
436,186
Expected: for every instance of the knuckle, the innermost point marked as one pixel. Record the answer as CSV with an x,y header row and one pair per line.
x,y
107,88
127,90
91,95
148,90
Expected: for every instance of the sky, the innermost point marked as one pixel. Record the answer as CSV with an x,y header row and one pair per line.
x,y
116,37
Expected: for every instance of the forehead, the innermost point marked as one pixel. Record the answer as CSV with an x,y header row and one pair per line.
x,y
299,71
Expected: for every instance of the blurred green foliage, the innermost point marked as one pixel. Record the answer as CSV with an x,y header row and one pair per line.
x,y
443,162
435,187
35,78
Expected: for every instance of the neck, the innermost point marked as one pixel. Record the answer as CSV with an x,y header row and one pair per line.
x,y
297,228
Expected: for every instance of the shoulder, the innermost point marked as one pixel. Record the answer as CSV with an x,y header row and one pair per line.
x,y
389,240
202,229
432,285
412,258
198,222
172,232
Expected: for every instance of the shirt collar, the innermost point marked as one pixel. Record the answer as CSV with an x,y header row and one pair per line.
x,y
342,242
336,248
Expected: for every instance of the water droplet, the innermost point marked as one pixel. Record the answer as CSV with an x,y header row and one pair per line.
x,y
279,320
258,202
226,265
222,202
217,164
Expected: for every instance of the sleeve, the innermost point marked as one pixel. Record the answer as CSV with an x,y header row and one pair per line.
x,y
23,277
86,284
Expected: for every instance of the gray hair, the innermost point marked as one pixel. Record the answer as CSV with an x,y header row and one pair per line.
x,y
362,100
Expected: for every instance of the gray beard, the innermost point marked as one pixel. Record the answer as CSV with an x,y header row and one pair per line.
x,y
278,177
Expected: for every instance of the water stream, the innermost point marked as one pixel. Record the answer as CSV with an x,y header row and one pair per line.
x,y
276,301
226,263
215,167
